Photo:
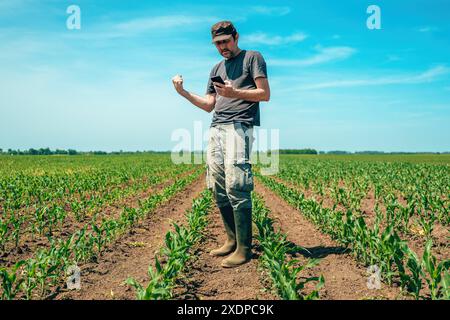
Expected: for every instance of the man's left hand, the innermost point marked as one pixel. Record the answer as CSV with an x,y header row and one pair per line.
x,y
225,90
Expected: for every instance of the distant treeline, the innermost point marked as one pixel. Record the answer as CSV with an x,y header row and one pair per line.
x,y
297,151
47,151
41,151
337,152
378,152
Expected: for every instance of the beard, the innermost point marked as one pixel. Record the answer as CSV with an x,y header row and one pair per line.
x,y
227,54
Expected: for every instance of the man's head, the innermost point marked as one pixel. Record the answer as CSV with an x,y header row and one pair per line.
x,y
225,38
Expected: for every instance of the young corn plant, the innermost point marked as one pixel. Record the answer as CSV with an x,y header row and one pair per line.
x,y
83,245
445,285
30,278
413,282
436,273
3,234
46,270
157,288
427,222
11,281
16,224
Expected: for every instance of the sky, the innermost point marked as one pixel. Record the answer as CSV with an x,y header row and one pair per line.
x,y
335,83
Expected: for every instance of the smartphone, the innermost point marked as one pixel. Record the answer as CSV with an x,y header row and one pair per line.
x,y
217,79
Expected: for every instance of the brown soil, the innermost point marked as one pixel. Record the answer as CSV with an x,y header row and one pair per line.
x,y
207,280
344,278
132,254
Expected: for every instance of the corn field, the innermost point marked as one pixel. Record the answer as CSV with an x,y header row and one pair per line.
x,y
140,227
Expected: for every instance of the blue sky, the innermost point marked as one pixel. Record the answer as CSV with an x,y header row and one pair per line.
x,y
335,83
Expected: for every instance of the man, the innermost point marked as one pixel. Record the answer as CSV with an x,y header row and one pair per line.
x,y
236,106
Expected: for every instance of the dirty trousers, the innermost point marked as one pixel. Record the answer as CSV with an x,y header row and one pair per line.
x,y
229,171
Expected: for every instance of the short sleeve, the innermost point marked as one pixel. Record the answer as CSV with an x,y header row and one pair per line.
x,y
258,66
210,87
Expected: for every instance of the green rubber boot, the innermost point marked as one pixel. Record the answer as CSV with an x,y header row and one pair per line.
x,y
228,222
243,252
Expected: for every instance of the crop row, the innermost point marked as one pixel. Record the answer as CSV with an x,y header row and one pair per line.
x,y
374,246
283,273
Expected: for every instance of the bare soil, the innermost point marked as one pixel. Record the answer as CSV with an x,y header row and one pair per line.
x,y
206,279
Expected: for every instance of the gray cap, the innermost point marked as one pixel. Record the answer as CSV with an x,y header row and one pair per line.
x,y
222,30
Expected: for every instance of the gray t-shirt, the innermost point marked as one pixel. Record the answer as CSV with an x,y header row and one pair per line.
x,y
242,71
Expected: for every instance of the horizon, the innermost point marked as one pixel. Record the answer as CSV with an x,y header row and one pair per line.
x,y
6,151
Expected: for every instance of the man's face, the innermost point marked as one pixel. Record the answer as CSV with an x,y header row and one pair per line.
x,y
227,48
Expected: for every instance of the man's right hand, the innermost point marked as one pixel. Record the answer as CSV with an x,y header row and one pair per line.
x,y
178,83
206,103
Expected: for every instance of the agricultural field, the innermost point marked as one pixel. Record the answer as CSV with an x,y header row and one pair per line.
x,y
140,227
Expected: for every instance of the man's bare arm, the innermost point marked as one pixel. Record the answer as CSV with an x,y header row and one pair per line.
x,y
261,93
205,103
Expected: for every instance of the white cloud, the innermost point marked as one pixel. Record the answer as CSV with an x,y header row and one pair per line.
x,y
324,55
264,38
273,11
426,76
427,29
12,4
431,74
393,57
161,22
